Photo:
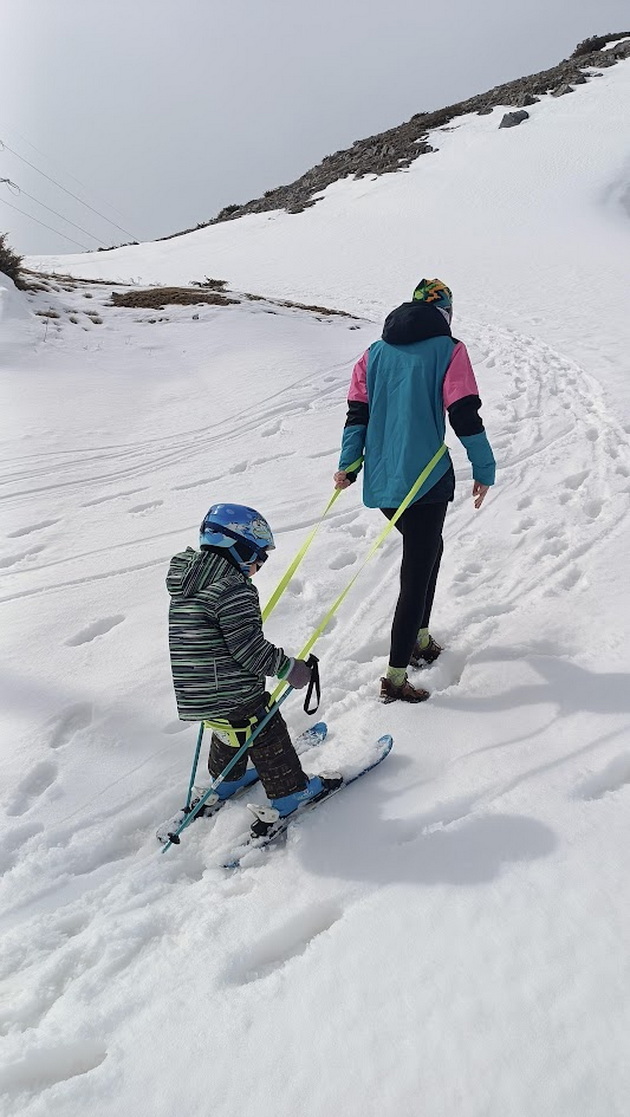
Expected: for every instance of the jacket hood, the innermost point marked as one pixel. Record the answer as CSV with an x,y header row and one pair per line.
x,y
192,571
414,321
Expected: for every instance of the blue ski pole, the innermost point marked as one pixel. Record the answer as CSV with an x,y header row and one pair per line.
x,y
193,771
174,837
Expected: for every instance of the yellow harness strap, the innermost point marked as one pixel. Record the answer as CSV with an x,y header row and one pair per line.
x,y
295,562
417,485
228,732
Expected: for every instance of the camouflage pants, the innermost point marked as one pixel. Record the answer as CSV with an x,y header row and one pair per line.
x,y
272,754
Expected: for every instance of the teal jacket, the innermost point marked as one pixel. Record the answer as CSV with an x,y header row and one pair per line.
x,y
400,392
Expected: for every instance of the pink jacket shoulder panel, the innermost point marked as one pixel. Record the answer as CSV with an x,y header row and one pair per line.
x,y
460,378
358,386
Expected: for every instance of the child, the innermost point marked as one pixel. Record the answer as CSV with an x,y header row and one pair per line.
x,y
220,657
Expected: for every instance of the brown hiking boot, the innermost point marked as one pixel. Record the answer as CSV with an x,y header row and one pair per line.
x,y
404,693
421,657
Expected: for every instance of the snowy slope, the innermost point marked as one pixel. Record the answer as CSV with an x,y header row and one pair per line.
x,y
531,226
448,937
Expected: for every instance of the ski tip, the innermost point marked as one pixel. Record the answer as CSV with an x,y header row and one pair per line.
x,y
386,743
320,728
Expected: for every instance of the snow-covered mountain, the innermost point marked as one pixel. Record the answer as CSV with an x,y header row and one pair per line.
x,y
449,936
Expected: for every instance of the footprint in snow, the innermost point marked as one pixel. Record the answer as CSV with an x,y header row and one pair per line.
x,y
346,558
148,507
32,787
468,573
323,453
374,649
12,560
273,951
13,841
525,524
174,727
576,479
437,817
98,628
31,528
194,484
593,508
44,1067
613,777
570,579
112,496
69,722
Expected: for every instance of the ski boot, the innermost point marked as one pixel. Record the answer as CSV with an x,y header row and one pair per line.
x,y
224,791
422,657
404,693
272,819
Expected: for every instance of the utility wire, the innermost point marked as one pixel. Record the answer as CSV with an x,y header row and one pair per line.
x,y
25,214
66,219
5,147
56,166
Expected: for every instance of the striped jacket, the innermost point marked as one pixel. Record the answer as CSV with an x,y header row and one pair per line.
x,y
219,655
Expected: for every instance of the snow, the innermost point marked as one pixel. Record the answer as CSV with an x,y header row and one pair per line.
x,y
448,936
616,42
18,327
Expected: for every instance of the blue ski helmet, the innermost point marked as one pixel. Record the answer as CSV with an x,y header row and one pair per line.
x,y
244,533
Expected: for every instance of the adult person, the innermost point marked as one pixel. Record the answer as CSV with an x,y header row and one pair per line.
x,y
400,390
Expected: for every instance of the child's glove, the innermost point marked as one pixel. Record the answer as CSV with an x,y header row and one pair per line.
x,y
298,674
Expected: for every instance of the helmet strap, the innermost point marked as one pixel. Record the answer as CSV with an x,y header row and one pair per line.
x,y
242,564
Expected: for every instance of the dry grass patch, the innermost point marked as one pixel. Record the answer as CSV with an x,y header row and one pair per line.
x,y
326,310
156,298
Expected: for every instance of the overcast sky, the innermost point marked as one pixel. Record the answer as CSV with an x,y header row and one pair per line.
x,y
158,113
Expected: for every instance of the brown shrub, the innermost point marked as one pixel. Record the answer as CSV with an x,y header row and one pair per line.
x,y
596,42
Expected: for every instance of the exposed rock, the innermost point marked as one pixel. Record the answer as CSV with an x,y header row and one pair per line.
x,y
396,148
511,119
561,90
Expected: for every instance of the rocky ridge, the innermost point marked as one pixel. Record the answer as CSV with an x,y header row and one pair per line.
x,y
396,148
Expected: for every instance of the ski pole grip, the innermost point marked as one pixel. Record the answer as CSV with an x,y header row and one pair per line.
x,y
313,686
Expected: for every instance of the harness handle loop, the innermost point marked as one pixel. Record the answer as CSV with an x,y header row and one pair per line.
x,y
314,685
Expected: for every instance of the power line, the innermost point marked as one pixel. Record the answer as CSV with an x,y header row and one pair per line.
x,y
44,206
58,166
5,147
25,214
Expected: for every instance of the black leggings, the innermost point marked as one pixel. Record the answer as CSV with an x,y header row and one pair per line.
x,y
421,528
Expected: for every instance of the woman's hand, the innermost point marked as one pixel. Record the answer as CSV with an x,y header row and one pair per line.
x,y
341,479
479,492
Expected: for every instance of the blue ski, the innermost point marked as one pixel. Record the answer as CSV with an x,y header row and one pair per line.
x,y
383,747
311,737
